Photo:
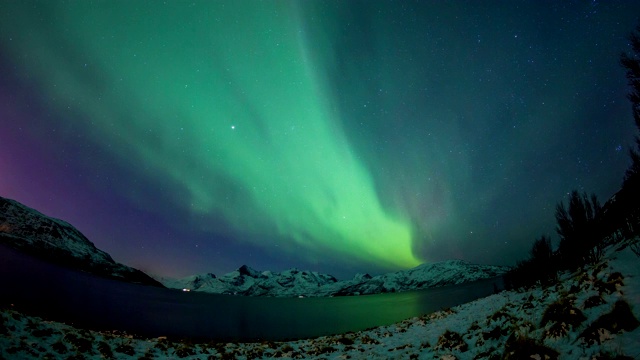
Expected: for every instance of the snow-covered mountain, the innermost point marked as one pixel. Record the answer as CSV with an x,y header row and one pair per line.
x,y
450,272
247,281
32,232
293,282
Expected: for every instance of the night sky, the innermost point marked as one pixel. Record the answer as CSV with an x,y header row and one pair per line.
x,y
337,136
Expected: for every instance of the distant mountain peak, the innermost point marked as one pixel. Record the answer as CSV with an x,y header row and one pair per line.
x,y
361,276
247,271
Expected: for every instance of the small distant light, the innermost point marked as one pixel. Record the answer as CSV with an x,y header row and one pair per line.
x,y
186,290
233,127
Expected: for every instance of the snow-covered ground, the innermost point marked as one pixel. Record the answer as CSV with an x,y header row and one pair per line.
x,y
589,314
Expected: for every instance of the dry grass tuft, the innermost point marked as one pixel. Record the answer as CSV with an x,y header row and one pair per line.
x,y
520,347
620,319
451,340
563,311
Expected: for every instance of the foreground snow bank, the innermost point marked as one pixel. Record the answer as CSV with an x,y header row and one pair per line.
x,y
589,314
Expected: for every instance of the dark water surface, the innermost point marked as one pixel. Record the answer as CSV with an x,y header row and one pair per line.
x,y
56,293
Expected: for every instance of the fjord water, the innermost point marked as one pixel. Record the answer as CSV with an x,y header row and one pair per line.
x,y
78,298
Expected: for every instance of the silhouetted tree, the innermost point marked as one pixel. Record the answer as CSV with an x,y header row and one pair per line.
x,y
585,228
577,227
540,267
521,276
543,259
541,250
631,63
628,201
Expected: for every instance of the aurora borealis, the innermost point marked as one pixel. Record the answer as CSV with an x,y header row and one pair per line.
x,y
186,137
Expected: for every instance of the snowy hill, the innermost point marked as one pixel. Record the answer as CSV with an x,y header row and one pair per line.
x,y
57,241
293,282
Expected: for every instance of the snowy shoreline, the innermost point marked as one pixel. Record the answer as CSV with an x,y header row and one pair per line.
x,y
584,325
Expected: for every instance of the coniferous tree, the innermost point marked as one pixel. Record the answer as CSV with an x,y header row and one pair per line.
x,y
577,227
629,200
541,250
631,63
543,260
540,267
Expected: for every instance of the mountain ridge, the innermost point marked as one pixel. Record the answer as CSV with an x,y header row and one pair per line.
x,y
54,240
247,281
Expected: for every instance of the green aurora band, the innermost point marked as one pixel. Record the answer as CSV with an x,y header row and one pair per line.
x,y
225,101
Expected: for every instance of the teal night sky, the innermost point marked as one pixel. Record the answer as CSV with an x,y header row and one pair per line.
x,y
337,136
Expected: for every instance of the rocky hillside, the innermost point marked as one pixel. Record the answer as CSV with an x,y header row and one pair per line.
x,y
54,240
293,282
